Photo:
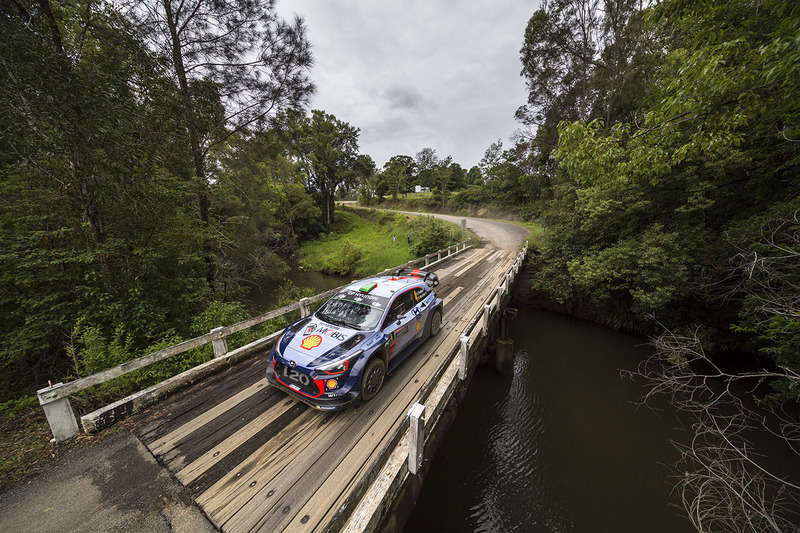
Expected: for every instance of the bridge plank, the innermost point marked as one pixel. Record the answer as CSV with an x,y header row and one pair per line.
x,y
235,441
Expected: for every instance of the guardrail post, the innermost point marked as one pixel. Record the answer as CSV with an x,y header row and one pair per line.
x,y
305,308
220,345
499,295
59,414
426,260
487,309
440,256
416,437
462,366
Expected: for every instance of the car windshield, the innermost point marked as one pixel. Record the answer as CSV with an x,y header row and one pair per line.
x,y
353,309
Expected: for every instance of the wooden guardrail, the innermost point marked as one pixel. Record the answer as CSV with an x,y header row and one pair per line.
x,y
55,398
405,456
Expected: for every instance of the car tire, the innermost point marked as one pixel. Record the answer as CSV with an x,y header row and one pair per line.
x,y
436,322
372,378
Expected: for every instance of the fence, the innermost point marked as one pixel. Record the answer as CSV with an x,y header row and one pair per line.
x,y
55,398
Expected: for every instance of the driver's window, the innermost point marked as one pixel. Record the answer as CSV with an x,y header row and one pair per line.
x,y
400,306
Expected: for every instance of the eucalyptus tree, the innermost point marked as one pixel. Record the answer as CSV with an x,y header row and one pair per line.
x,y
426,161
326,150
490,163
234,62
399,170
584,59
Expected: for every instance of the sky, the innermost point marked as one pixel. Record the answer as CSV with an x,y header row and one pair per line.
x,y
414,74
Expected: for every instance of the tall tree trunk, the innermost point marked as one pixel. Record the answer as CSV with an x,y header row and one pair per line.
x,y
204,203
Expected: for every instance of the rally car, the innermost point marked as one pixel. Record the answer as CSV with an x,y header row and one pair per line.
x,y
342,352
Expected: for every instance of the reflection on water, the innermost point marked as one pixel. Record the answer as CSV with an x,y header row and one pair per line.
x,y
561,447
265,295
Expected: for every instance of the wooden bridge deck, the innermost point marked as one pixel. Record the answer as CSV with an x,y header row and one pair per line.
x,y
255,459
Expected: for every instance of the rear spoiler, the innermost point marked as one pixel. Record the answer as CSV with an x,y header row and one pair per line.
x,y
428,277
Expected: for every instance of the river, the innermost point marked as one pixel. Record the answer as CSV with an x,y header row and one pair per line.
x,y
562,446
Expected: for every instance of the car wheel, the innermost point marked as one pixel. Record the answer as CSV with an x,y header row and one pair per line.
x,y
372,378
436,322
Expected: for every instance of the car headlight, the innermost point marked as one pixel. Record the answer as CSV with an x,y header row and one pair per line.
x,y
339,367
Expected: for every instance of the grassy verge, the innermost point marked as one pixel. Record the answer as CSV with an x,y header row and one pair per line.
x,y
364,242
535,229
360,244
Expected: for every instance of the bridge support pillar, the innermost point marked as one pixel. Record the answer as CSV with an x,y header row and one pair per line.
x,y
416,437
59,415
504,347
504,357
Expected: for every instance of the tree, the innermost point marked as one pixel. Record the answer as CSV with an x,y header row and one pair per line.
x,y
327,151
490,163
399,170
584,59
443,177
426,160
92,223
235,63
473,176
262,209
724,478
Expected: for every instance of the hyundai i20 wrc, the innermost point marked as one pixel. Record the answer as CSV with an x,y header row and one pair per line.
x,y
342,352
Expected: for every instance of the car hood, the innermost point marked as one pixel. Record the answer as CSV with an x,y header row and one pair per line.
x,y
316,342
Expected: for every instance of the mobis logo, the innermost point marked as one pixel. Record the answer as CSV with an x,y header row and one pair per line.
x,y
324,330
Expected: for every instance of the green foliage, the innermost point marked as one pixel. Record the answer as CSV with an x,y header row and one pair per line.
x,y
648,270
12,408
360,245
429,234
106,161
326,149
647,217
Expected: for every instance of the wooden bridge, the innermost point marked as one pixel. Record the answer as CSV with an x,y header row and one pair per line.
x,y
254,459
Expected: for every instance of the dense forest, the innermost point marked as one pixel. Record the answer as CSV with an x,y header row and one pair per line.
x,y
664,159
159,157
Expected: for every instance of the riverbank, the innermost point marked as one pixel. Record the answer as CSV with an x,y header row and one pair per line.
x,y
366,241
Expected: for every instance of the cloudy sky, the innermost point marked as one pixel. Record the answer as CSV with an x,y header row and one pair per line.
x,y
413,74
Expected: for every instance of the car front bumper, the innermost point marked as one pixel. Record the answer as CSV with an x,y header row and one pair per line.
x,y
321,403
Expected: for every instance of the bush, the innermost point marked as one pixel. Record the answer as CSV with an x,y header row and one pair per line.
x,y
429,234
345,261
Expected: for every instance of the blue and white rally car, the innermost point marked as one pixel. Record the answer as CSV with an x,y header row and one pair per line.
x,y
344,350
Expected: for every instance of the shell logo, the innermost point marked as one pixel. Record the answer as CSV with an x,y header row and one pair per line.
x,y
311,342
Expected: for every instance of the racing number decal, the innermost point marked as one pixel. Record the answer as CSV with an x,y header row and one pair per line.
x,y
294,375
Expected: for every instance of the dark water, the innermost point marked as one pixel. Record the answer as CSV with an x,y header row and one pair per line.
x,y
560,447
265,296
